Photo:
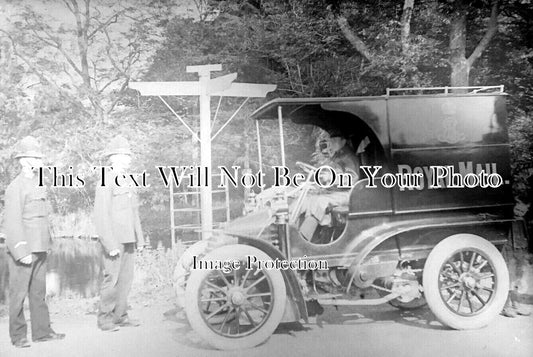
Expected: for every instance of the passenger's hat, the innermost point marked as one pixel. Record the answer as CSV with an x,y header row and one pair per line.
x,y
118,145
28,147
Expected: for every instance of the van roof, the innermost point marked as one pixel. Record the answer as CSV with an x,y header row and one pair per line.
x,y
291,105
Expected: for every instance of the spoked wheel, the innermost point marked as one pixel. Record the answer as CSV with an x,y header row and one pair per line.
x,y
465,281
238,309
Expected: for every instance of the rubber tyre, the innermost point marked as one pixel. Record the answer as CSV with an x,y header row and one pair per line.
x,y
192,306
436,259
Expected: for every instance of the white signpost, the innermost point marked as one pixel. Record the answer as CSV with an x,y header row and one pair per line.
x,y
205,88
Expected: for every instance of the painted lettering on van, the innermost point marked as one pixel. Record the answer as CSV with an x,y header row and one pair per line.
x,y
464,167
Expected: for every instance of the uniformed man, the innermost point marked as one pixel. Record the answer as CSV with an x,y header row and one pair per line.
x,y
116,217
28,240
342,160
512,307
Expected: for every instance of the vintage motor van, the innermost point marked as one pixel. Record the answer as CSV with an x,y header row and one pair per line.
x,y
437,242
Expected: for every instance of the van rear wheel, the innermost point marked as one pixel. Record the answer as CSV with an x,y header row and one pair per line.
x,y
465,281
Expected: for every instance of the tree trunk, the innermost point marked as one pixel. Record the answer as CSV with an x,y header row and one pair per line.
x,y
354,40
82,27
406,23
460,74
460,70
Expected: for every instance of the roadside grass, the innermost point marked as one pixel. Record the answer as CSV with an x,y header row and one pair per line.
x,y
154,271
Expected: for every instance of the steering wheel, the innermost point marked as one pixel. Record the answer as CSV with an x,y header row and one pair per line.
x,y
306,167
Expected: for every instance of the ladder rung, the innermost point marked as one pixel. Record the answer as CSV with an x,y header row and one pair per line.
x,y
196,192
194,228
196,209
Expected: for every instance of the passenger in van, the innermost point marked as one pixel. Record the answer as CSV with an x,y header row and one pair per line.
x,y
342,159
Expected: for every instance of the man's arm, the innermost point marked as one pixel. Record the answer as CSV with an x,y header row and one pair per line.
x,y
16,242
351,162
347,162
137,222
102,218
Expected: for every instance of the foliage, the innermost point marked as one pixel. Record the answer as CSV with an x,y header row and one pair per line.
x,y
85,49
298,45
154,269
521,131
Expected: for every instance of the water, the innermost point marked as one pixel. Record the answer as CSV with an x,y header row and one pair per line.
x,y
74,266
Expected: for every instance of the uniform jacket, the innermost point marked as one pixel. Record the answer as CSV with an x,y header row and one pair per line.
x,y
346,159
116,216
26,217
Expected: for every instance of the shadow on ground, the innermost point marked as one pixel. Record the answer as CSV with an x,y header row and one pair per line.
x,y
183,333
421,318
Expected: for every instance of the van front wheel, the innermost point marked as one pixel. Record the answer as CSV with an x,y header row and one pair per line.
x,y
235,308
465,281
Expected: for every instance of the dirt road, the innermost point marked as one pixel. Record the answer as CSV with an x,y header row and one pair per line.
x,y
377,331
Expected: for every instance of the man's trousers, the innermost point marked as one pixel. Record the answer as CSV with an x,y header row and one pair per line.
x,y
316,204
28,280
118,277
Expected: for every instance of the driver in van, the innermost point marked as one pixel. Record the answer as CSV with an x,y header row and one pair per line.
x,y
342,159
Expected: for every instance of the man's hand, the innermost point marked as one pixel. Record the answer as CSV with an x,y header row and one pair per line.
x,y
26,260
520,209
325,177
114,253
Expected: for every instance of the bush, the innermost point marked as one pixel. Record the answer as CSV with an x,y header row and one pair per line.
x,y
154,270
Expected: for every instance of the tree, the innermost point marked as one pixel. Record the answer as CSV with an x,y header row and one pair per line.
x,y
459,62
458,13
306,47
65,66
85,49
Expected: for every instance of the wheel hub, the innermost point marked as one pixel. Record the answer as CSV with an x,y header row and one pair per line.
x,y
237,297
469,281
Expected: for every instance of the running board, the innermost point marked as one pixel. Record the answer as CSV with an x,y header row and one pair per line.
x,y
362,302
